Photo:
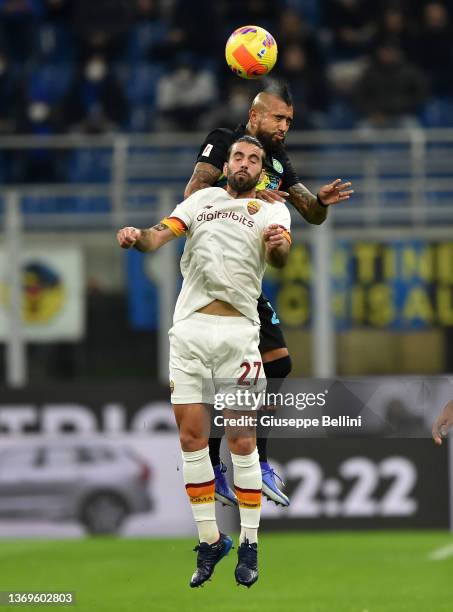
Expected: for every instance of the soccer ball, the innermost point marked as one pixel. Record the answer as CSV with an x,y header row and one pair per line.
x,y
251,52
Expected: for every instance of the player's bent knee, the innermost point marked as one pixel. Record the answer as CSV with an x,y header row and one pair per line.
x,y
279,368
192,441
242,446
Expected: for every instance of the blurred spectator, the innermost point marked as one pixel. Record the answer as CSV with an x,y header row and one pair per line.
x,y
260,12
294,30
18,19
58,10
21,8
391,90
183,96
233,111
395,25
11,96
102,26
307,82
434,51
353,26
38,165
95,101
195,31
147,10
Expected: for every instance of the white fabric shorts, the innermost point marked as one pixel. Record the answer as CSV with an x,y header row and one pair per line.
x,y
211,356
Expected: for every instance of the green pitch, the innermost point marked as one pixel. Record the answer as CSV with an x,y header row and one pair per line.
x,y
317,572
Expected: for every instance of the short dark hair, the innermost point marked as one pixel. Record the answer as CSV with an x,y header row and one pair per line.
x,y
251,140
279,89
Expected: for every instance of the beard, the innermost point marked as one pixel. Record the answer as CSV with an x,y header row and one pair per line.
x,y
242,183
271,146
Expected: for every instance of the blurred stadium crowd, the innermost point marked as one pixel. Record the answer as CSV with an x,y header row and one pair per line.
x,y
144,65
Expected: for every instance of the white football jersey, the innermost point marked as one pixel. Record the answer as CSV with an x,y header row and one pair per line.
x,y
223,257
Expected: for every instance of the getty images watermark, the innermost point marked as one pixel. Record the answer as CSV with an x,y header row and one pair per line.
x,y
403,407
249,404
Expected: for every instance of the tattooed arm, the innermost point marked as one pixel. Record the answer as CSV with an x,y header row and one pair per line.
x,y
314,208
145,240
307,204
204,175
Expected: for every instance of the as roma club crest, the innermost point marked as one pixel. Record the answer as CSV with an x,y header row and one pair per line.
x,y
253,207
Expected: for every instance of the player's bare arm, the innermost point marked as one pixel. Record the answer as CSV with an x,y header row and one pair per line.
x,y
204,175
145,240
443,423
314,208
277,245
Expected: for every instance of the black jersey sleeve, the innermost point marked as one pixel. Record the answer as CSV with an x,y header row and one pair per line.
x,y
215,147
290,177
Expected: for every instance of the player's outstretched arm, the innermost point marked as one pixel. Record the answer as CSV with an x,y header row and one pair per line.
x,y
145,240
204,175
443,423
277,245
314,208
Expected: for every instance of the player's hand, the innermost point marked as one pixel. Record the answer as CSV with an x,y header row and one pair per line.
x,y
272,195
335,192
127,237
273,236
443,423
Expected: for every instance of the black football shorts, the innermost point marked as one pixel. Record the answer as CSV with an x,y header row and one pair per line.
x,y
271,335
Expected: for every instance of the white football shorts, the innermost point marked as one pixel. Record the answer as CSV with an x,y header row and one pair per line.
x,y
212,356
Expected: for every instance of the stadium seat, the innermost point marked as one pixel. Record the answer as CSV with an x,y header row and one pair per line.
x,y
140,118
141,83
141,39
49,82
438,113
90,166
341,116
33,205
309,10
55,43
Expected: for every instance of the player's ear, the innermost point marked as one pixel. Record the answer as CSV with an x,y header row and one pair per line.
x,y
225,169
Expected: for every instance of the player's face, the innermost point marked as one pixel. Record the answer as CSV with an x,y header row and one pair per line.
x,y
274,122
244,167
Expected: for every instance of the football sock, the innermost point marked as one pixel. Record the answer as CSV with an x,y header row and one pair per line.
x,y
214,450
247,484
199,480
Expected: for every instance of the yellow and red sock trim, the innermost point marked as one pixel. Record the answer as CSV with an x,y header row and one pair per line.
x,y
201,492
248,498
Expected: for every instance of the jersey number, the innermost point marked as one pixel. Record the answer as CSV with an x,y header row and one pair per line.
x,y
247,367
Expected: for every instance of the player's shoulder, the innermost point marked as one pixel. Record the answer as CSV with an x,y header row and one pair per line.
x,y
225,134
276,208
209,193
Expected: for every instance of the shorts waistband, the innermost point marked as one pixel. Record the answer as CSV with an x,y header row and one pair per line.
x,y
219,319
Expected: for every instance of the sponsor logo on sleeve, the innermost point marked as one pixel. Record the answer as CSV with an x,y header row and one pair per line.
x,y
207,150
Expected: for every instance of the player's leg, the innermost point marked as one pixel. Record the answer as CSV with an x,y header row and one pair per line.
x,y
189,369
247,484
193,422
239,369
277,366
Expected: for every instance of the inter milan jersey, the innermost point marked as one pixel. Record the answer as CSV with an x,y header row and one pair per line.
x,y
279,173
